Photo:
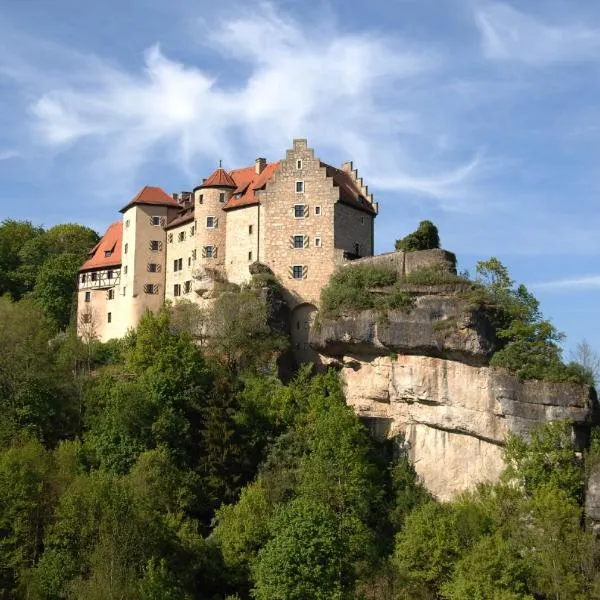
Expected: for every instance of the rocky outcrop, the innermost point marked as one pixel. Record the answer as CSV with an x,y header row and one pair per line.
x,y
423,377
444,326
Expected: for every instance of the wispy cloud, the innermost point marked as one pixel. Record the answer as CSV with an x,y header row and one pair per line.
x,y
570,284
353,93
6,154
508,34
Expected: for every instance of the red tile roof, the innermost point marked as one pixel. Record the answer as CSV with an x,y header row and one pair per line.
x,y
247,182
350,193
219,178
184,217
152,195
111,244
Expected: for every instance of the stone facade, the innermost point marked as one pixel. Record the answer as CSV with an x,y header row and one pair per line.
x,y
300,216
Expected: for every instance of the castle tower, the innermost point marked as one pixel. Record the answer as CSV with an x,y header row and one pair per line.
x,y
144,252
209,199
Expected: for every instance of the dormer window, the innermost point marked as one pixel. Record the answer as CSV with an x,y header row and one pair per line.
x,y
107,253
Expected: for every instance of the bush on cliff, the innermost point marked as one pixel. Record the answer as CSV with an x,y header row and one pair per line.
x,y
531,343
426,237
361,287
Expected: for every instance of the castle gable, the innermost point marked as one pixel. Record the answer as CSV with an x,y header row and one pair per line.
x,y
107,252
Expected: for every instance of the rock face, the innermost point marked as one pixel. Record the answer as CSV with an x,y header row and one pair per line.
x,y
438,325
429,384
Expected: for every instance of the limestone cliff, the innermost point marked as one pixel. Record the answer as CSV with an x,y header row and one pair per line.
x,y
423,375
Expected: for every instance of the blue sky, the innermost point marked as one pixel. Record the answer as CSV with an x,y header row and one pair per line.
x,y
481,116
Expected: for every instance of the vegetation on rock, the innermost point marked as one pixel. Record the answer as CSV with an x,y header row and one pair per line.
x,y
425,237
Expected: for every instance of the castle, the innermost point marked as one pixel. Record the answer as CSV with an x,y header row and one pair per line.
x,y
301,217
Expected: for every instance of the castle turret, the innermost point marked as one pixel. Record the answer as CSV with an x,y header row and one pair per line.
x,y
209,199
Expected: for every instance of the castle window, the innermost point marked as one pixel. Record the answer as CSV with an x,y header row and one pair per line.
x,y
127,224
299,187
109,274
200,199
299,164
249,255
177,290
126,248
222,197
86,318
152,268
181,236
109,317
155,245
298,241
124,290
125,270
318,242
192,230
194,254
170,238
94,276
249,229
111,294
298,272
150,288
155,221
88,296
189,261
178,264
211,222
300,211
83,278
317,211
187,287
209,252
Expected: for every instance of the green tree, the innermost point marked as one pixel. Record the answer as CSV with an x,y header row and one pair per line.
x,y
492,569
26,503
530,343
426,237
547,458
242,528
56,285
303,556
434,537
35,394
14,236
240,331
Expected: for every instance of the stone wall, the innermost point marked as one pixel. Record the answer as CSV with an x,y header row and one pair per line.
x,y
318,221
184,250
353,230
242,242
407,262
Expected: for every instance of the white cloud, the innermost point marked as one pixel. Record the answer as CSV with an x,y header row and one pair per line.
x,y
350,92
6,154
508,34
571,284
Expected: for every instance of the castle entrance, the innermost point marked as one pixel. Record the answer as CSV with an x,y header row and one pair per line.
x,y
303,317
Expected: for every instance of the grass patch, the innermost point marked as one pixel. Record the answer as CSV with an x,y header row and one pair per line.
x,y
432,276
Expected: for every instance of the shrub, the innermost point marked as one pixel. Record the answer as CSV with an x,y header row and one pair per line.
x,y
355,288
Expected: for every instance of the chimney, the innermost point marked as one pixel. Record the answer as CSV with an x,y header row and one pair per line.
x,y
259,165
